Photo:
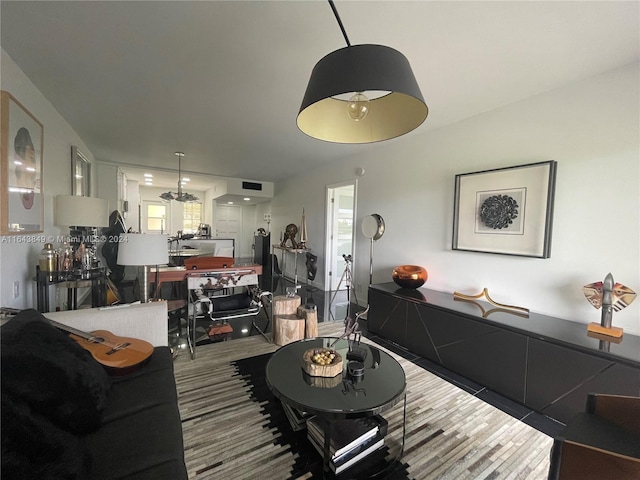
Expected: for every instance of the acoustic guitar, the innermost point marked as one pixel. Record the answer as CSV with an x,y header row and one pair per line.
x,y
120,355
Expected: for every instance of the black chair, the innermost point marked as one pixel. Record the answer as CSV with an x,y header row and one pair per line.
x,y
117,281
212,298
601,443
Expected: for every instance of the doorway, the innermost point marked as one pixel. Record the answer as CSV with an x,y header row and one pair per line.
x,y
341,206
228,222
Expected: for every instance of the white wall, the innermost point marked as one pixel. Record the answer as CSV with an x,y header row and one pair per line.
x,y
591,128
263,209
107,182
18,260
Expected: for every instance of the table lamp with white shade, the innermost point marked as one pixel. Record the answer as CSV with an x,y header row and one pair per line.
x,y
76,211
139,249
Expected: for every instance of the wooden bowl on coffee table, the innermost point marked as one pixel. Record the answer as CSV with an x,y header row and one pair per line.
x,y
316,369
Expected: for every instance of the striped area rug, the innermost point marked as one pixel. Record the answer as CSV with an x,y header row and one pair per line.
x,y
235,429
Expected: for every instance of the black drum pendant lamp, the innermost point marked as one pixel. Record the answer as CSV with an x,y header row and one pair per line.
x,y
361,94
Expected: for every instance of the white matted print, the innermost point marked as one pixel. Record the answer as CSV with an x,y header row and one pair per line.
x,y
507,210
22,137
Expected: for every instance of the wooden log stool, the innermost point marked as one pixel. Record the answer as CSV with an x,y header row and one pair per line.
x,y
309,312
287,325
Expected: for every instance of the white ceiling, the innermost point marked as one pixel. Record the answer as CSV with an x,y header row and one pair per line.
x,y
222,81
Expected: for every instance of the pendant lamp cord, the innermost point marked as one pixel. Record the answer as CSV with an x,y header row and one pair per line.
x,y
179,174
344,32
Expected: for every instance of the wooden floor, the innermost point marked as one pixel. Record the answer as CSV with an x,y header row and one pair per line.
x,y
450,434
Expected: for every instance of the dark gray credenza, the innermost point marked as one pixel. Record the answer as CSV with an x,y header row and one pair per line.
x,y
546,363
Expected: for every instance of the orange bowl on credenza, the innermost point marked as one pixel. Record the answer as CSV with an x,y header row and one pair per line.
x,y
410,276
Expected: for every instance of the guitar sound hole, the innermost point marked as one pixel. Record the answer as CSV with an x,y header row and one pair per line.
x,y
97,339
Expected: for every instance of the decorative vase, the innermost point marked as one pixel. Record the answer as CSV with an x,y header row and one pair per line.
x,y
410,276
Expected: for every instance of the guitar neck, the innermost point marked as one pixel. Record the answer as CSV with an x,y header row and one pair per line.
x,y
68,329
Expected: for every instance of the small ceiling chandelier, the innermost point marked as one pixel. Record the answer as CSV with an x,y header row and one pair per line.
x,y
361,94
179,196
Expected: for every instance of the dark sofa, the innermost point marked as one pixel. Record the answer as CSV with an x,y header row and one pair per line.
x,y
64,417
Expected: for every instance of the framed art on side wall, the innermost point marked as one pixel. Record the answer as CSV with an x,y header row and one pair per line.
x,y
505,210
22,138
80,173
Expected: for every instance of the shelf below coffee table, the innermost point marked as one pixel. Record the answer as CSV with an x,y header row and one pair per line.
x,y
381,387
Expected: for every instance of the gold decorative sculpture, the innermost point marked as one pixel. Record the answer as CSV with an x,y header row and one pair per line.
x,y
303,231
501,306
610,297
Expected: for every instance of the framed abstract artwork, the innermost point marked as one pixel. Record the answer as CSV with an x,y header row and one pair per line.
x,y
21,192
506,210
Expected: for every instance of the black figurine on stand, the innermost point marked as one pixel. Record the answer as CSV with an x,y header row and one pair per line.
x,y
312,267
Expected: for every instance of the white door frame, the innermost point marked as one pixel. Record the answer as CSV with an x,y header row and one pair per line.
x,y
331,239
144,215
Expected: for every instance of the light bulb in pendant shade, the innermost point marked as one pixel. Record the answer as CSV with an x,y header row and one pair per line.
x,y
358,106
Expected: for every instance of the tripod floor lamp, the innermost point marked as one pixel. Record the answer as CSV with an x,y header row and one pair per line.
x,y
348,279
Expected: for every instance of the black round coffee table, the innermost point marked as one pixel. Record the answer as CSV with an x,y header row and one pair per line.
x,y
381,387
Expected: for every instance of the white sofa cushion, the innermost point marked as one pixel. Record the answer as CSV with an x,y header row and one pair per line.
x,y
146,321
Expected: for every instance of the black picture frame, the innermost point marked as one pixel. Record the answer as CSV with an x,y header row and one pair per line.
x,y
507,211
80,173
